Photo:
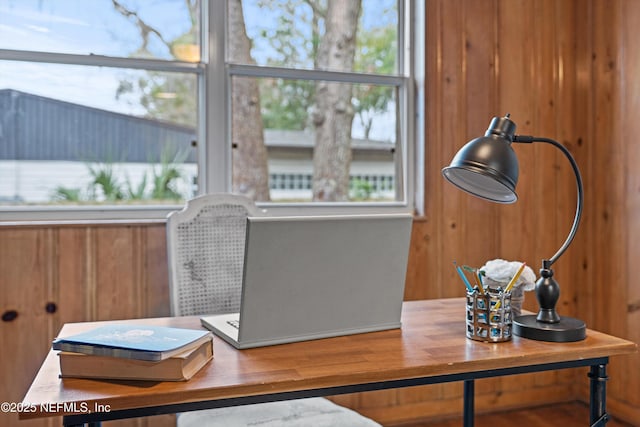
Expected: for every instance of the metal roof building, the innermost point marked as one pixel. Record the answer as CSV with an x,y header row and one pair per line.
x,y
34,127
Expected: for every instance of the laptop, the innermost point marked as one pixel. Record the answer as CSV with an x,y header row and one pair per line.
x,y
310,277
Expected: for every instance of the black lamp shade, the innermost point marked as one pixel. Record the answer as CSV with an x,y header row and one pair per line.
x,y
487,167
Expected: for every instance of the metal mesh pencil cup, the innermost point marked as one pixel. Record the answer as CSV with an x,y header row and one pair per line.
x,y
489,315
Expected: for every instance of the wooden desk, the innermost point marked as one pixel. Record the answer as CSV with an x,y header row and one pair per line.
x,y
430,348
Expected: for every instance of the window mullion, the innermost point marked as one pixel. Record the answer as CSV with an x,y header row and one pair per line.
x,y
101,61
215,156
244,70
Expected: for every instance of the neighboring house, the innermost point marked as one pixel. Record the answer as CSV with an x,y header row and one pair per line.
x,y
45,143
290,156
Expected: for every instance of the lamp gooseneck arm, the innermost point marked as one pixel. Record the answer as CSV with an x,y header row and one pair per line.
x,y
576,221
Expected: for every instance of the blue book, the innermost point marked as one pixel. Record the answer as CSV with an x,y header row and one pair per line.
x,y
132,341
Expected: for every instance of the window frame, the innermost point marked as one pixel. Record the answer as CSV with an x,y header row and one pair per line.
x,y
214,76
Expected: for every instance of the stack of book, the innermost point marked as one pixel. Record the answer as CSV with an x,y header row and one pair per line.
x,y
134,352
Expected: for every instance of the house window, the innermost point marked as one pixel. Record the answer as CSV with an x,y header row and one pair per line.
x,y
124,109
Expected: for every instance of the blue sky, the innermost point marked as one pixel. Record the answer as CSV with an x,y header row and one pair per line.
x,y
94,26
81,27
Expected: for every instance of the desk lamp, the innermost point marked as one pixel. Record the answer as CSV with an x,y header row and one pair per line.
x,y
487,167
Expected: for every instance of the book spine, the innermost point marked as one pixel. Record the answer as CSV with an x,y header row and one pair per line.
x,y
108,351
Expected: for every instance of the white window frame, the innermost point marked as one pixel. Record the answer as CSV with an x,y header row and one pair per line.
x,y
214,156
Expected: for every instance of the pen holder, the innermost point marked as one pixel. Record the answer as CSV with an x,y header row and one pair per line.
x,y
489,315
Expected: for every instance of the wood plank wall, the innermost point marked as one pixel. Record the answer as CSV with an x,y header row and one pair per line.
x,y
569,70
51,275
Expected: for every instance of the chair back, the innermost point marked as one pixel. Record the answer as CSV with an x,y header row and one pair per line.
x,y
205,245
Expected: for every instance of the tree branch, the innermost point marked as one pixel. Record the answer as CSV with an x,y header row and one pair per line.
x,y
317,7
145,29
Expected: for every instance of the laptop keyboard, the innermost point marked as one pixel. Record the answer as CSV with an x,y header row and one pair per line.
x,y
234,323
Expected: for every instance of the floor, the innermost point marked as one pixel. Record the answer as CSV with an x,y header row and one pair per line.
x,y
562,414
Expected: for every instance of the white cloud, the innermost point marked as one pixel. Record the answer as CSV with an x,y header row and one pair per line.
x,y
38,29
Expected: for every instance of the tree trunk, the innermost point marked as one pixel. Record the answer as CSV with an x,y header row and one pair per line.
x,y
333,113
250,169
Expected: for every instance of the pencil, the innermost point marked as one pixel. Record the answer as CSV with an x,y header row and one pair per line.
x,y
515,277
513,281
479,277
463,277
476,277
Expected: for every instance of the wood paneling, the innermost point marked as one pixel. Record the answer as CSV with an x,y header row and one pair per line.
x,y
568,70
26,272
79,273
565,70
627,369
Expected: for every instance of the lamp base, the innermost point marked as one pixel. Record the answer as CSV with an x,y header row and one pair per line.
x,y
567,330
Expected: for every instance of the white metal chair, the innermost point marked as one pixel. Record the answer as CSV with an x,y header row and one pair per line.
x,y
205,244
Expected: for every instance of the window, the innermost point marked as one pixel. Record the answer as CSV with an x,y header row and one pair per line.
x,y
122,109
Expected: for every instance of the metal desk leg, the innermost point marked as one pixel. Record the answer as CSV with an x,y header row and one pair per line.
x,y
598,416
92,424
468,414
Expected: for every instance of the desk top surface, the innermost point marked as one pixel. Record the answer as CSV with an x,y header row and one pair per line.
x,y
430,343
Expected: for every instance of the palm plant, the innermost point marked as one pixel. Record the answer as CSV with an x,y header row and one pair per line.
x,y
164,179
137,193
64,194
103,178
